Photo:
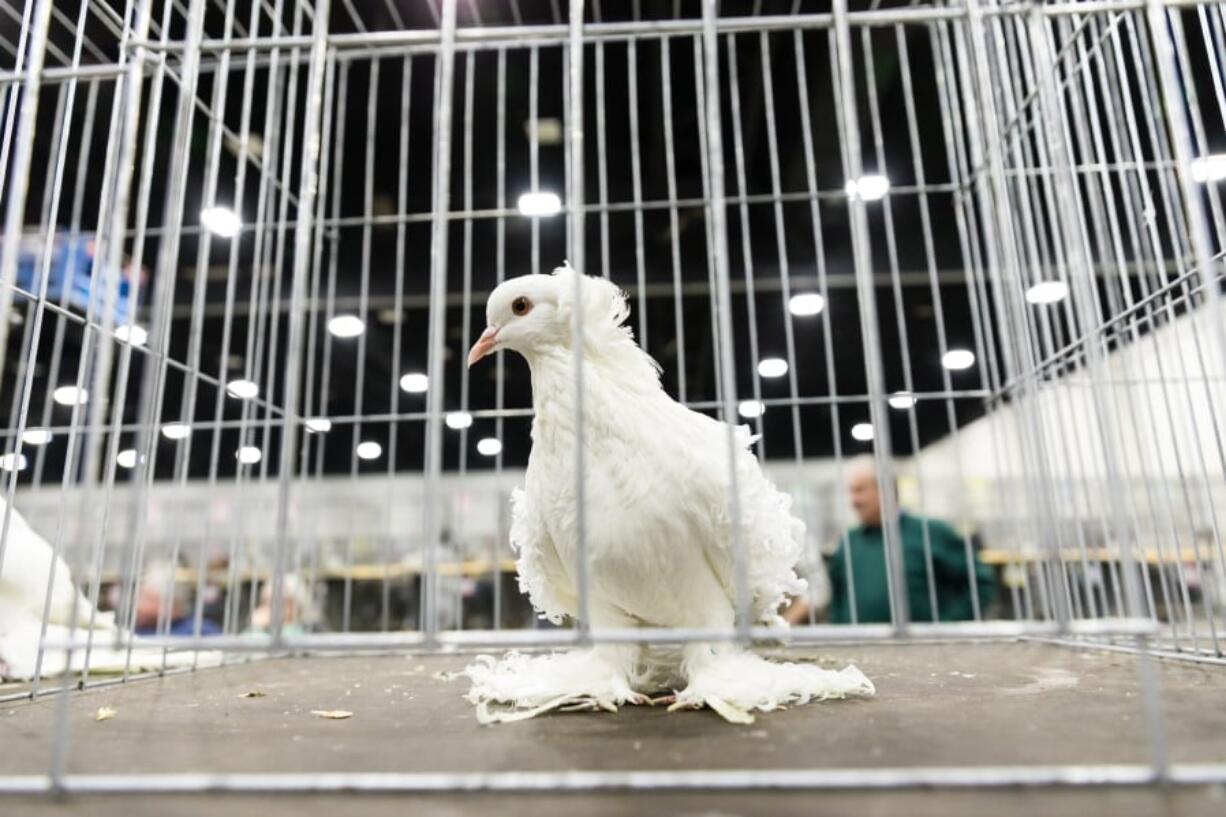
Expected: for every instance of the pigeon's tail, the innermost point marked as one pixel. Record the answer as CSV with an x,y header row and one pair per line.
x,y
521,686
735,682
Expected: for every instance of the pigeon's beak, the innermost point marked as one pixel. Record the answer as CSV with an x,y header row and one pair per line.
x,y
483,346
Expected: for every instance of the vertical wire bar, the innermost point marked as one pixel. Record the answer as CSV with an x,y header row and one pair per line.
x,y
359,388
500,370
466,304
703,156
670,159
575,199
402,205
636,179
534,59
438,304
781,245
12,96
718,214
819,253
751,306
196,333
867,297
240,186
308,183
887,212
22,159
602,164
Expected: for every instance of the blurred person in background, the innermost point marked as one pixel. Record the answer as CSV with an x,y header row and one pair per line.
x,y
299,612
861,553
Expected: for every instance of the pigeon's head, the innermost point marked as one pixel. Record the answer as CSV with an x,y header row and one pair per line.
x,y
533,314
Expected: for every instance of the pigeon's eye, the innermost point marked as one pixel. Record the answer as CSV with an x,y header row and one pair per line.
x,y
521,306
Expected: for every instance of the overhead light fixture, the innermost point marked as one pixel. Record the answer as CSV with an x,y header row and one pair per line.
x,y
1047,292
369,450
862,432
750,409
249,455
772,367
536,205
13,462
458,420
958,359
176,431
221,221
318,425
901,400
869,187
70,396
126,458
36,436
1210,168
242,389
414,383
489,447
346,326
806,304
131,333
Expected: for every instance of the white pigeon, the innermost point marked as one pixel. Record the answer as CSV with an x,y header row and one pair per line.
x,y
27,562
657,522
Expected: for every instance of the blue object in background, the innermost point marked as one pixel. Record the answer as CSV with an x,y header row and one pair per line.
x,y
72,266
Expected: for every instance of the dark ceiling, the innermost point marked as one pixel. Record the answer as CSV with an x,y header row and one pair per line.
x,y
375,252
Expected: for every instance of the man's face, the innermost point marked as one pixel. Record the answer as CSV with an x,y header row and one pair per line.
x,y
865,499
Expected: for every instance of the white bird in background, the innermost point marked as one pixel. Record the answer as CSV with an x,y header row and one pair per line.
x,y
28,560
657,522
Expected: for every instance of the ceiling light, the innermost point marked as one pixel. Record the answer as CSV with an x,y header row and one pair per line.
x,y
136,335
13,462
242,389
70,396
1210,168
1047,292
870,187
458,420
750,409
221,221
346,326
901,400
249,455
489,447
958,359
862,432
539,204
36,436
176,431
804,304
318,425
772,367
414,383
369,450
126,458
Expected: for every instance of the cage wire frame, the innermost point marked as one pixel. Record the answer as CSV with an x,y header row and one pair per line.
x,y
1033,167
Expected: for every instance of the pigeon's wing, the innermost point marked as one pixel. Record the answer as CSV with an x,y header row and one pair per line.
x,y
772,538
542,575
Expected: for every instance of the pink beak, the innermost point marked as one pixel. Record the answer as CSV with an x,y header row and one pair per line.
x,y
483,346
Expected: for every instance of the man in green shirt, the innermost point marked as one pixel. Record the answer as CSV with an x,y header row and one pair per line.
x,y
858,568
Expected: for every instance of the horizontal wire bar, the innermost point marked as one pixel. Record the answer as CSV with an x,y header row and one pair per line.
x,y
903,777
808,634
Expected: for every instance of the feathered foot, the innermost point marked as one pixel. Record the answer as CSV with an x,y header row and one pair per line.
x,y
523,686
735,682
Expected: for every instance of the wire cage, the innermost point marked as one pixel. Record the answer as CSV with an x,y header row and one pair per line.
x,y
246,246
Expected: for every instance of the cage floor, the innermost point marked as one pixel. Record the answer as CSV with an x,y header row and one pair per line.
x,y
937,705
